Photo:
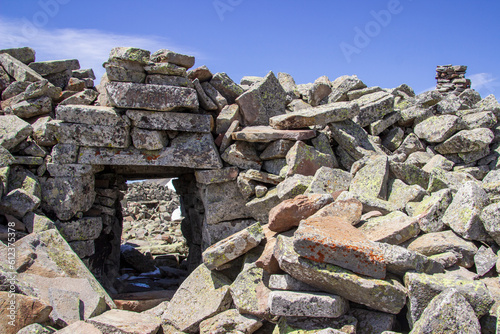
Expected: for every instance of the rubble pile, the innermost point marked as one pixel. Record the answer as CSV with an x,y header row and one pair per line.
x,y
324,207
451,79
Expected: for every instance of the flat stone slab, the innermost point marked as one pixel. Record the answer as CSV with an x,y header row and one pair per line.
x,y
330,240
192,150
151,97
92,115
232,247
230,320
55,66
216,175
382,295
320,115
121,321
93,135
437,129
307,304
394,228
17,69
264,134
173,121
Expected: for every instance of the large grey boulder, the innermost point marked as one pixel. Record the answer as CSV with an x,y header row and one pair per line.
x,y
121,322
437,129
17,69
463,214
466,141
307,304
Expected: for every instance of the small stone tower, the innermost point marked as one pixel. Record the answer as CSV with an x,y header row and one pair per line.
x,y
451,79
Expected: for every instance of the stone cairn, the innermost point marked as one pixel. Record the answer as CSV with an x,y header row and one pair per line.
x,y
328,207
451,79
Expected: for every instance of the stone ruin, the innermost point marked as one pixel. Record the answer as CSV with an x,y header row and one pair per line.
x,y
451,79
328,207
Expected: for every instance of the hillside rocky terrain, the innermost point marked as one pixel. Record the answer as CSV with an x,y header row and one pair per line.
x,y
327,207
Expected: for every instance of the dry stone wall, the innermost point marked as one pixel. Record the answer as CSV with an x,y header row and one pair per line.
x,y
377,206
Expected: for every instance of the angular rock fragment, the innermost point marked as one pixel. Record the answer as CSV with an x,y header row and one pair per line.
x,y
201,296
223,202
91,115
373,107
489,218
87,228
400,193
226,86
13,131
342,85
201,73
262,101
25,54
216,176
307,304
466,141
277,149
232,247
287,282
289,213
371,180
93,135
230,320
348,211
401,260
167,56
353,139
410,174
441,242
18,202
422,288
205,101
394,228
293,186
226,117
331,240
148,139
321,115
329,181
250,294
305,160
17,69
27,310
448,312
373,322
462,215
259,208
242,155
429,212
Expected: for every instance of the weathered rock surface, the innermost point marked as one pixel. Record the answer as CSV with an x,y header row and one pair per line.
x,y
151,97
289,213
321,115
121,321
383,295
201,296
448,312
327,240
307,304
236,245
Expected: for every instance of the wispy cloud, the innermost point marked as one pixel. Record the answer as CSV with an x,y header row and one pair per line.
x,y
484,83
91,47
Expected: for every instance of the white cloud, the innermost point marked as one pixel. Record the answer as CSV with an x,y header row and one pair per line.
x,y
90,46
484,83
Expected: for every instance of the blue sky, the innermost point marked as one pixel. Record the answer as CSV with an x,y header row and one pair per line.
x,y
386,43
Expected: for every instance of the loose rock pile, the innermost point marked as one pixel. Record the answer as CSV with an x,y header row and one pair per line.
x,y
326,207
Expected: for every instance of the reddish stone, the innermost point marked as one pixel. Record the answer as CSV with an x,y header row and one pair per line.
x,y
267,261
289,213
332,240
21,311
